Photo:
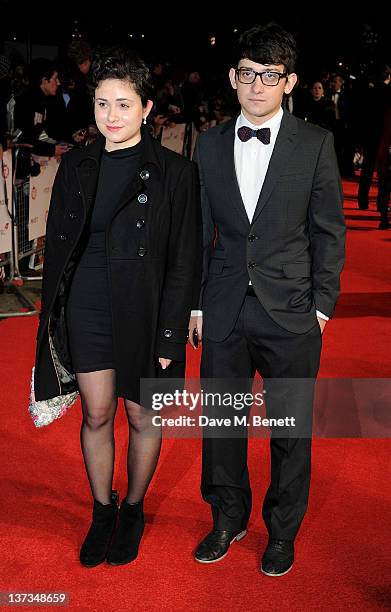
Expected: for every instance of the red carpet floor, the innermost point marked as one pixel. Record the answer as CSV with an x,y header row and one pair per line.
x,y
343,549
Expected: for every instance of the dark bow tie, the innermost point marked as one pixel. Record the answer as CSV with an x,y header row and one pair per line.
x,y
263,134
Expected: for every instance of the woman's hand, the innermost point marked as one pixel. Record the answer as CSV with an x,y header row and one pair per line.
x,y
164,362
195,329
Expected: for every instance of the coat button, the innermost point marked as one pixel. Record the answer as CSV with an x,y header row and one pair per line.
x,y
167,333
142,198
63,237
141,251
140,223
251,264
72,215
144,174
252,237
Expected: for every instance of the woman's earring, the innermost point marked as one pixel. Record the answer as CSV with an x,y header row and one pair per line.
x,y
144,120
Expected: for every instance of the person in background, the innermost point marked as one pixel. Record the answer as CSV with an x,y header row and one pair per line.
x,y
384,173
80,105
344,137
375,103
37,113
318,109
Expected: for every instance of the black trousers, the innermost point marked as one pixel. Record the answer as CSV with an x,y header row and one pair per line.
x,y
383,197
368,168
289,364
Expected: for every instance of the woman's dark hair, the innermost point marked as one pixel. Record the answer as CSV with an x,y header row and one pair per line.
x,y
117,63
268,44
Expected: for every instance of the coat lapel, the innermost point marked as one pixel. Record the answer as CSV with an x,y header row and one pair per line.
x,y
150,162
283,149
228,171
88,172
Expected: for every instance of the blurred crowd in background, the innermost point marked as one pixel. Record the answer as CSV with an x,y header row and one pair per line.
x,y
49,106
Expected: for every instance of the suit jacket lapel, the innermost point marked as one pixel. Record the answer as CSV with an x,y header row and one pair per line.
x,y
283,149
228,171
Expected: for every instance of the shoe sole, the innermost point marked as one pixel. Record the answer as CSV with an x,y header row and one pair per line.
x,y
275,575
114,563
237,538
94,565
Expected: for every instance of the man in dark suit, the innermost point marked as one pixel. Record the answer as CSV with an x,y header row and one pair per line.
x,y
273,252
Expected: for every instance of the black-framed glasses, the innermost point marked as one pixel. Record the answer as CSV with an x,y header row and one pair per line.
x,y
268,77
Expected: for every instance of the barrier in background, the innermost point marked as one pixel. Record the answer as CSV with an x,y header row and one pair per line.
x,y
5,211
22,225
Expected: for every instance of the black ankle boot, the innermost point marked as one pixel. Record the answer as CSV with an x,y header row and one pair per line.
x,y
96,544
127,536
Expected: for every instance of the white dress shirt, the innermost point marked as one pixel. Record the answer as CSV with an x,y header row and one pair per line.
x,y
251,163
252,160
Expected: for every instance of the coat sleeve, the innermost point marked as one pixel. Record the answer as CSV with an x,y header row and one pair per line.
x,y
208,225
24,120
326,229
183,268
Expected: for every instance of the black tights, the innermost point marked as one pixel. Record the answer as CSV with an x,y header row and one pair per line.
x,y
99,404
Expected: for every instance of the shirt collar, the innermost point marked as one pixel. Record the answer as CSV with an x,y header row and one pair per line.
x,y
273,123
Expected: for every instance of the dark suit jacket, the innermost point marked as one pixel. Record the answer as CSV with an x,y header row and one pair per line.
x,y
293,251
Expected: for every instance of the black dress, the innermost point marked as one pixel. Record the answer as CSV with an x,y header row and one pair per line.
x,y
88,311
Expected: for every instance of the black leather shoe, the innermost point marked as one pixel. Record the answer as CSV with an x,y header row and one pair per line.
x,y
216,544
278,558
127,536
96,544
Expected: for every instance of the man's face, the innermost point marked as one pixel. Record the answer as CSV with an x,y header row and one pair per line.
x,y
337,83
85,66
260,102
50,86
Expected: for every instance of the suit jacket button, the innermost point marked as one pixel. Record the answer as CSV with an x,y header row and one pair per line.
x,y
142,198
251,264
63,237
141,251
140,223
144,174
72,215
252,237
167,333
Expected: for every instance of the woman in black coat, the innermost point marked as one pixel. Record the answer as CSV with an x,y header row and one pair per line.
x,y
318,109
121,268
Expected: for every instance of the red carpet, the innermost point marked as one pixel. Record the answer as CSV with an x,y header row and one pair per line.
x,y
343,549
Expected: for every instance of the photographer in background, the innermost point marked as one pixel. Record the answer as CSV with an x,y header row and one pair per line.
x,y
40,116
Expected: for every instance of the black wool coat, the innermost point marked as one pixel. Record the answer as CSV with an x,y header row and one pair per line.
x,y
153,247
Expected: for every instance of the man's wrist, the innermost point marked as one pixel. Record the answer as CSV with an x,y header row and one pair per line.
x,y
320,315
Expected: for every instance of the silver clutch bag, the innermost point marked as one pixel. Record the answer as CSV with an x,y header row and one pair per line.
x,y
45,412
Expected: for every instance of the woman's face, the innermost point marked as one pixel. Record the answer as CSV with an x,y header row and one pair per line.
x,y
119,113
317,90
